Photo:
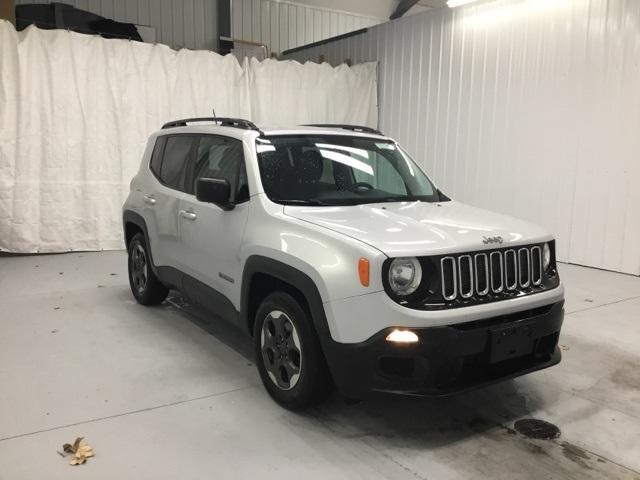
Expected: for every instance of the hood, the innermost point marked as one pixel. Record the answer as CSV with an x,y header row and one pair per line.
x,y
419,228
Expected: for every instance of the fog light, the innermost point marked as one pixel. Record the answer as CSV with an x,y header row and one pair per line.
x,y
402,336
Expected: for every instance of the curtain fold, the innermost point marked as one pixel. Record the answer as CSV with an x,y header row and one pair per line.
x,y
76,111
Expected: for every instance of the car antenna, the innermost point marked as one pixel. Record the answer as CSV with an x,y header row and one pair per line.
x,y
214,112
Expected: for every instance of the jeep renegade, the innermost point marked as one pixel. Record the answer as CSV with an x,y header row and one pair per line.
x,y
345,263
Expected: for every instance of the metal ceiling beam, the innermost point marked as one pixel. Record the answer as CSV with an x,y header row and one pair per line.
x,y
402,8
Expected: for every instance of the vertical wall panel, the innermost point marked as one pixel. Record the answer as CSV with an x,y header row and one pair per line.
x,y
237,15
199,23
256,24
300,27
530,108
188,22
143,13
247,17
106,8
265,22
177,18
178,23
317,25
166,25
273,40
292,25
333,24
283,26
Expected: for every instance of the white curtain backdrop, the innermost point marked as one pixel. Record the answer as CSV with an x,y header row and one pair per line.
x,y
76,111
290,93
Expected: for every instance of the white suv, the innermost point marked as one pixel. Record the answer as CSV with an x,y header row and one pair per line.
x,y
333,249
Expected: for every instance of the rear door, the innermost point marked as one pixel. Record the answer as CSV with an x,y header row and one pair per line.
x,y
211,236
162,202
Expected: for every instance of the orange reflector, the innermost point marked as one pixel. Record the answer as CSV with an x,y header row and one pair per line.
x,y
363,271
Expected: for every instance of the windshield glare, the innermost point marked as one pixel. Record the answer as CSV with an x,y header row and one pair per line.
x,y
339,170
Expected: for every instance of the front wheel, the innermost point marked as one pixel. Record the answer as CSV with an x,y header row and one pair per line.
x,y
288,354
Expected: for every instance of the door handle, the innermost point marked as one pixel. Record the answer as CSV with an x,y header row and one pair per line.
x,y
149,200
188,215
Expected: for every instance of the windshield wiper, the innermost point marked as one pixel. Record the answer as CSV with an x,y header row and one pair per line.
x,y
314,202
387,199
395,199
407,198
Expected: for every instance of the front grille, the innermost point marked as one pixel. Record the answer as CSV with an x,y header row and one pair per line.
x,y
478,277
494,272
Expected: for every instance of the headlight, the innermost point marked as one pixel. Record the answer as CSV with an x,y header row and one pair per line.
x,y
405,275
546,257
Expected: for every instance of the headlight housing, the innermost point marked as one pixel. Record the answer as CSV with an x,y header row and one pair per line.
x,y
546,257
405,275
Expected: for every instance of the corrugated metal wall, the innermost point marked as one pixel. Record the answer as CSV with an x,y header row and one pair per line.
x,y
282,25
527,107
178,23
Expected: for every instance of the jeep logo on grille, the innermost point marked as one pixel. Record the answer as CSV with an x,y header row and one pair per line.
x,y
489,240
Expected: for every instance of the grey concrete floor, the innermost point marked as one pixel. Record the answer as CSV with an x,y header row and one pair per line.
x,y
168,392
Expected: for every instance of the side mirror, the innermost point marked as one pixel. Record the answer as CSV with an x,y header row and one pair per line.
x,y
216,191
441,196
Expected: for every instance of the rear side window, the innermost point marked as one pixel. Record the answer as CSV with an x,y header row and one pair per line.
x,y
174,161
156,156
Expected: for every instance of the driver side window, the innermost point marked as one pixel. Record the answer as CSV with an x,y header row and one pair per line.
x,y
222,157
385,176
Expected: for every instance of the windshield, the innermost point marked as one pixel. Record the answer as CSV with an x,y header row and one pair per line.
x,y
339,170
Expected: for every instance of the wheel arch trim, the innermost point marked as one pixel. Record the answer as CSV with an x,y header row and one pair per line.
x,y
129,216
258,264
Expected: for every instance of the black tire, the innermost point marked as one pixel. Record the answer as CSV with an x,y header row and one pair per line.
x,y
313,383
145,286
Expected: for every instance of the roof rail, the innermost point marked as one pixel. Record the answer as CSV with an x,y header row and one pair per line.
x,y
223,121
353,128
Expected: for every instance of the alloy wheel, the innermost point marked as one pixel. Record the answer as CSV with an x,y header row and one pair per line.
x,y
139,268
281,350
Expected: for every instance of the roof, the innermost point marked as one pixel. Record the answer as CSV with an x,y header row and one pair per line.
x,y
239,128
313,130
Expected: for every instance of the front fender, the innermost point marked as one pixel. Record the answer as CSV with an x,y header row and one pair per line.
x,y
328,258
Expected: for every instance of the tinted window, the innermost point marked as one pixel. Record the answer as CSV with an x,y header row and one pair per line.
x,y
339,170
222,157
383,177
174,162
156,156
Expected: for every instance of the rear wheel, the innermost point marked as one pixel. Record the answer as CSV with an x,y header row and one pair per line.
x,y
145,286
288,354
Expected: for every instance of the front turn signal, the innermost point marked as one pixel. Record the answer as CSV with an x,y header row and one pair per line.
x,y
363,272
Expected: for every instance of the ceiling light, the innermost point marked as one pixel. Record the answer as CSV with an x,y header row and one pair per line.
x,y
458,3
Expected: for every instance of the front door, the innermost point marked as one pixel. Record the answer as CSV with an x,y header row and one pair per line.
x,y
211,236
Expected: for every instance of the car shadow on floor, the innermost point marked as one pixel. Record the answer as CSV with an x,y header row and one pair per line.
x,y
228,334
472,432
437,421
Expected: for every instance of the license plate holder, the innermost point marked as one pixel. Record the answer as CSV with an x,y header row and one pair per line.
x,y
511,342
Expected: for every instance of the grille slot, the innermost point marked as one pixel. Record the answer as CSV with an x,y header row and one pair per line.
x,y
536,266
494,272
449,278
465,275
481,265
524,267
511,269
497,272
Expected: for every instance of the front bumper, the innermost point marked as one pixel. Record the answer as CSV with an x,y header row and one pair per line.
x,y
452,358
